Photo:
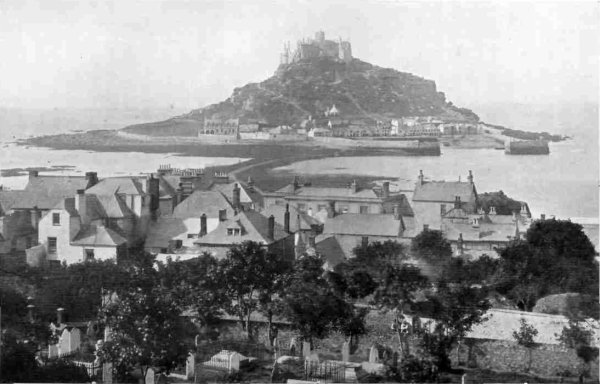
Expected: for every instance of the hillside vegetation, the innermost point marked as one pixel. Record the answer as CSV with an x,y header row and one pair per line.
x,y
359,90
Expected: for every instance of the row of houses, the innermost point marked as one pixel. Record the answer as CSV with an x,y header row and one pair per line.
x,y
184,213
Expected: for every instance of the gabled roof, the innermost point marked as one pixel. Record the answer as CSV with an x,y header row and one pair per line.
x,y
118,185
165,229
8,199
331,250
364,225
227,191
95,235
255,227
199,202
278,211
45,192
444,191
68,205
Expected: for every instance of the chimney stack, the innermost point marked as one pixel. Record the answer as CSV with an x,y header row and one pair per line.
x,y
397,215
460,244
152,188
179,194
296,183
425,227
59,316
30,309
457,202
286,219
331,209
475,223
470,178
35,217
524,210
354,186
81,205
222,215
272,227
492,210
33,174
386,189
421,177
543,216
236,196
203,229
92,179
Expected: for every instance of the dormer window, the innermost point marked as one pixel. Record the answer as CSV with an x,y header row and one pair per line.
x,y
233,232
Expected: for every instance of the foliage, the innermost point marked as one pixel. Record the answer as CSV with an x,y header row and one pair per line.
x,y
431,245
19,365
314,306
503,204
479,271
555,257
416,370
525,335
398,286
251,276
194,284
575,335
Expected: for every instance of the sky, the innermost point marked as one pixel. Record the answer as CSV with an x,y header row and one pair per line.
x,y
187,54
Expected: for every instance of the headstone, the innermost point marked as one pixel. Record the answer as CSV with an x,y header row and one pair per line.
x,y
52,351
305,349
234,362
346,351
373,355
75,339
64,343
149,379
107,373
190,366
395,357
293,346
197,340
463,379
313,357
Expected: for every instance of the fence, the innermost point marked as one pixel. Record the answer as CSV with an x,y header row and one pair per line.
x,y
92,368
220,361
248,349
325,371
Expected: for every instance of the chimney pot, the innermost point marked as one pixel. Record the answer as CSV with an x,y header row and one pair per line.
x,y
271,227
286,219
33,174
386,189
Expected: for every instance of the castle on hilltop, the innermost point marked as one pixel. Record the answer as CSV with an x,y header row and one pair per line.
x,y
317,47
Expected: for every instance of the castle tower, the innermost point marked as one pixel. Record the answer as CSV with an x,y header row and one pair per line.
x,y
344,50
319,37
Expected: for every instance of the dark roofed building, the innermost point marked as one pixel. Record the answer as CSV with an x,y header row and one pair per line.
x,y
433,199
247,225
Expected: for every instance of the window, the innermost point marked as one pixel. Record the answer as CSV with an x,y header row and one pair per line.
x,y
344,209
364,241
229,231
56,219
443,209
191,235
236,231
89,254
321,207
52,245
364,209
301,207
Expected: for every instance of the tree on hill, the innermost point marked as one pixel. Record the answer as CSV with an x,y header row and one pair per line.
x,y
145,325
250,276
315,306
503,204
555,257
455,308
525,336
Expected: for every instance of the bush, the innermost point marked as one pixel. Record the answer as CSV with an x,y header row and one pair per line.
x,y
413,369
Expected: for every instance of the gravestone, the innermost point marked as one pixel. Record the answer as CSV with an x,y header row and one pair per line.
x,y
190,366
197,340
107,373
373,355
346,351
234,362
463,379
293,346
149,379
52,351
395,357
305,349
74,339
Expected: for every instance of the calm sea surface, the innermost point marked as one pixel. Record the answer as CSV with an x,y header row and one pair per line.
x,y
564,184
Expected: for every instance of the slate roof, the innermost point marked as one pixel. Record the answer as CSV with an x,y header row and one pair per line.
x,y
118,185
328,193
95,235
445,191
254,227
165,229
486,232
199,202
331,251
68,205
364,225
45,192
278,211
227,191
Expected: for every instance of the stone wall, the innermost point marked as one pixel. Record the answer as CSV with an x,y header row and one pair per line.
x,y
547,360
